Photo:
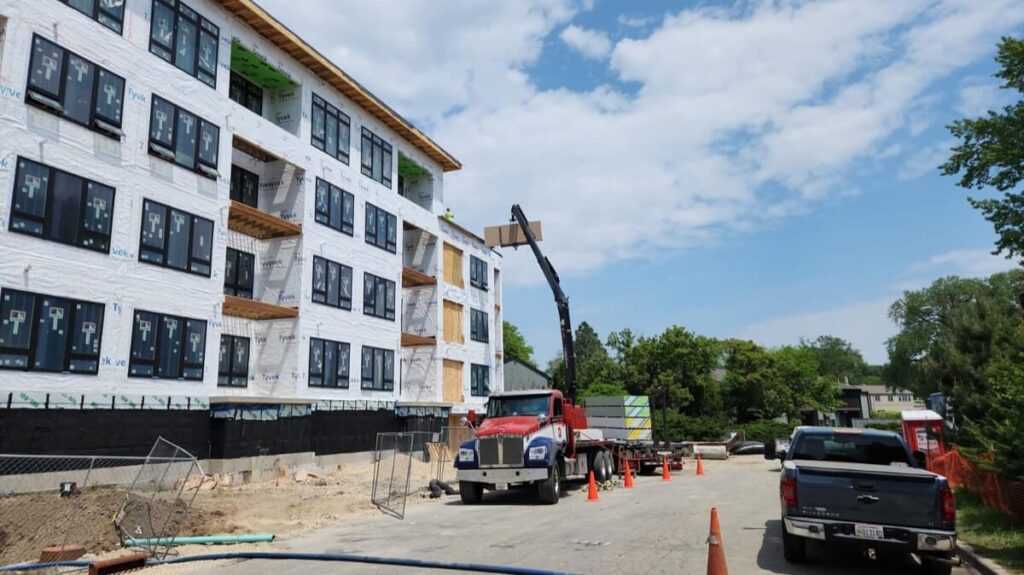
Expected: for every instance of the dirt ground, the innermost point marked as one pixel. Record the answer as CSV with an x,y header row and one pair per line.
x,y
287,504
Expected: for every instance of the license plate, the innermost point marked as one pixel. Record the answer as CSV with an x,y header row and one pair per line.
x,y
501,486
868,531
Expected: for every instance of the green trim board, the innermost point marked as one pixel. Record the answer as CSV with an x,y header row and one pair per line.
x,y
257,70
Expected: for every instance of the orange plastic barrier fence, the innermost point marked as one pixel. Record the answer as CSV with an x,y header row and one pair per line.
x,y
1000,494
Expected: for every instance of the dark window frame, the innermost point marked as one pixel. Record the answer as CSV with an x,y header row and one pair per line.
x,y
202,25
232,284
100,14
323,296
166,237
323,217
68,355
369,379
478,273
159,150
46,220
321,375
250,94
479,330
229,377
239,177
372,147
183,365
54,102
475,389
342,122
371,221
370,305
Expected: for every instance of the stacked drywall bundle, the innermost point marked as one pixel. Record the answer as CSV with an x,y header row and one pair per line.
x,y
626,417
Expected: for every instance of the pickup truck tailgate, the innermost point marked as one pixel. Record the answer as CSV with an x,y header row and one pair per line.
x,y
854,492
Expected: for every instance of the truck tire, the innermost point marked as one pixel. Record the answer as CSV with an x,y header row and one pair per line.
x,y
471,493
794,548
609,460
548,490
600,468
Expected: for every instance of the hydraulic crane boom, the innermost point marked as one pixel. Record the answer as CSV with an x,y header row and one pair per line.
x,y
561,301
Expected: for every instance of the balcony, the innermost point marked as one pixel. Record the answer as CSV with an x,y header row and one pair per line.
x,y
415,183
414,340
412,277
256,310
266,192
264,90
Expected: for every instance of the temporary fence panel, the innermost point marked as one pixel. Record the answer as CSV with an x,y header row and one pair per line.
x,y
58,500
997,493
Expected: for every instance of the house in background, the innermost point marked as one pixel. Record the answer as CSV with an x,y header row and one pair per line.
x,y
882,398
521,376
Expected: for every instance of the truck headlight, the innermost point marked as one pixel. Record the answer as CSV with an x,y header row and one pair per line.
x,y
466,455
539,452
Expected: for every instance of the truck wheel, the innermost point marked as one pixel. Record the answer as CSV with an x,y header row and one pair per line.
x,y
471,493
794,548
600,468
548,490
609,460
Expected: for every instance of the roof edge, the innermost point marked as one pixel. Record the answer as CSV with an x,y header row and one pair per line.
x,y
252,14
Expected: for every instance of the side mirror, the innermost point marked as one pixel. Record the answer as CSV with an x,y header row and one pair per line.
x,y
542,418
471,416
780,454
920,458
769,449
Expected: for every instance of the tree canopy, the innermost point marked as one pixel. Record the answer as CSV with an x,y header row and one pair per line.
x,y
990,154
515,346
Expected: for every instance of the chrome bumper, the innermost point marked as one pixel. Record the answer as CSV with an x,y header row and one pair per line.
x,y
927,540
502,475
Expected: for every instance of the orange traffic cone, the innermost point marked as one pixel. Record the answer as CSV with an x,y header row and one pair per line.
x,y
629,475
592,489
700,466
666,475
716,552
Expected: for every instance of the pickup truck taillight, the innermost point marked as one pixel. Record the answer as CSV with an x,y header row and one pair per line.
x,y
788,491
948,505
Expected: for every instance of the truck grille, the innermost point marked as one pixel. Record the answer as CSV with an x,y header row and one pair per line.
x,y
501,450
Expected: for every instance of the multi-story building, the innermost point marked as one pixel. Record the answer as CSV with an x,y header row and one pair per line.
x,y
210,232
882,399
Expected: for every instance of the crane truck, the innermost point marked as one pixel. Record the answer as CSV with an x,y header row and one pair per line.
x,y
540,438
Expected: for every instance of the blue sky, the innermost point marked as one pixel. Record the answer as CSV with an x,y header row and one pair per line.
x,y
765,170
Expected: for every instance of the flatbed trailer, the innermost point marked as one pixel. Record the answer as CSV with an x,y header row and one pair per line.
x,y
644,457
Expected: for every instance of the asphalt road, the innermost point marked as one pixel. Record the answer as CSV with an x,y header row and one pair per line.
x,y
657,527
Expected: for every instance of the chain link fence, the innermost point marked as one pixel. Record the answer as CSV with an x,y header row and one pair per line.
x,y
51,501
405,463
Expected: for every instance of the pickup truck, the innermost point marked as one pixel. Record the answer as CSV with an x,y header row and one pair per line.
x,y
863,487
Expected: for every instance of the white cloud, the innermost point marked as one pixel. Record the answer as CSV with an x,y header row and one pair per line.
x,y
979,95
926,160
634,21
964,263
865,325
739,116
593,44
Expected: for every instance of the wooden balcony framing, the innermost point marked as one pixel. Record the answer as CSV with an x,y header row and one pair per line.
x,y
413,277
413,340
261,225
256,310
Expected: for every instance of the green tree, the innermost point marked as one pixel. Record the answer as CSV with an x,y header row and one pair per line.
x,y
595,370
514,342
990,154
837,358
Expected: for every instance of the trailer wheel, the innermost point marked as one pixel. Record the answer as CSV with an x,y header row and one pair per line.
x,y
599,468
548,490
471,493
609,462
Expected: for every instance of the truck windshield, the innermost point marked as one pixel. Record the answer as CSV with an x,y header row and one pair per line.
x,y
509,406
851,448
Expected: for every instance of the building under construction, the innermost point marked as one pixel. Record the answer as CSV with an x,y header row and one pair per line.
x,y
210,232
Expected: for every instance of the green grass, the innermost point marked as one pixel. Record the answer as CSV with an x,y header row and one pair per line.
x,y
990,532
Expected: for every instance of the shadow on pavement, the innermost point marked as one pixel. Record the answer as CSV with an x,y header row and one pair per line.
x,y
527,495
831,560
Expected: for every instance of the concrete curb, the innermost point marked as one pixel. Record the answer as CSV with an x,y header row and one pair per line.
x,y
980,564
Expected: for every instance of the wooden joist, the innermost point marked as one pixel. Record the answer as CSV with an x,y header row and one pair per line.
x,y
413,340
413,277
250,221
256,310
